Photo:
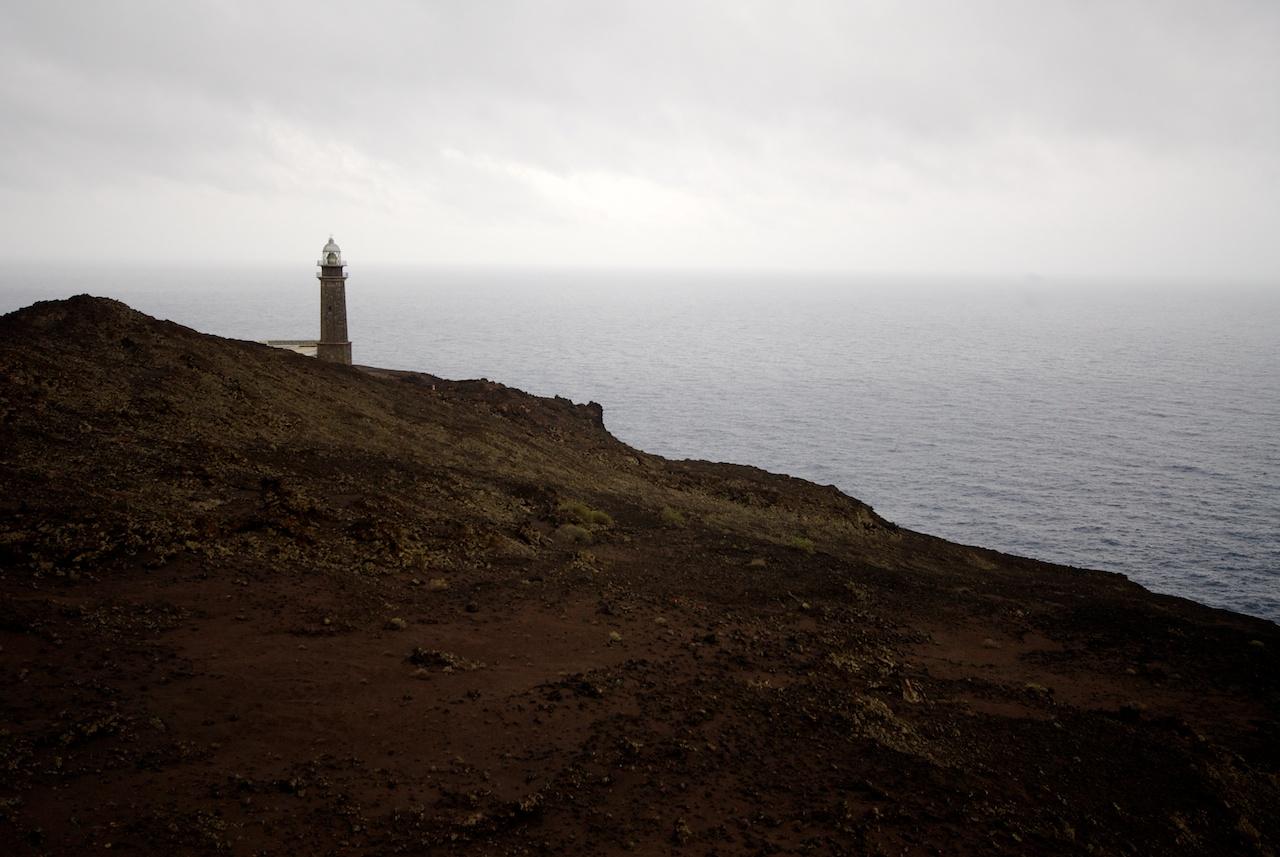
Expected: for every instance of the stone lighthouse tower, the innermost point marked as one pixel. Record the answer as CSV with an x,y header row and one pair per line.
x,y
333,345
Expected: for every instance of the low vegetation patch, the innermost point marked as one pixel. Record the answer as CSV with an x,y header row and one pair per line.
x,y
583,514
801,543
574,533
672,517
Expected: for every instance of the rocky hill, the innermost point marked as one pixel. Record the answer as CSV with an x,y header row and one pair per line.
x,y
251,603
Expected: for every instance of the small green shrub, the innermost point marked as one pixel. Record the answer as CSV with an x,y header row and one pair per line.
x,y
672,517
585,515
801,543
574,533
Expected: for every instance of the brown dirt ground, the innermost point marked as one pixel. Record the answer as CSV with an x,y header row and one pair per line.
x,y
255,604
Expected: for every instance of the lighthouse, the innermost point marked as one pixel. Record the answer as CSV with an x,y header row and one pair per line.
x,y
333,345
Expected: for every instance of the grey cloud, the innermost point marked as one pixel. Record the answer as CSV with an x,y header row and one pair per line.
x,y
751,123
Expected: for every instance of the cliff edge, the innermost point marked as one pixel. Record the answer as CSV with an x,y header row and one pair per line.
x,y
254,603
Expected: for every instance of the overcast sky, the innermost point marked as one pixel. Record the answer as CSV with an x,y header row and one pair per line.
x,y
1106,139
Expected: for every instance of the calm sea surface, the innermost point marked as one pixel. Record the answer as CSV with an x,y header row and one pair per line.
x,y
1134,429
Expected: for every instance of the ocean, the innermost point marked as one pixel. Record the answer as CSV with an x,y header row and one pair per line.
x,y
1134,429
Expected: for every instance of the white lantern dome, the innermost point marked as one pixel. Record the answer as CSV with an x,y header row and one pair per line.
x,y
331,254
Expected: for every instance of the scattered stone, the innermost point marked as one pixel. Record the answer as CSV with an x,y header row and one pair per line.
x,y
444,661
660,620
909,692
395,623
437,584
579,684
615,637
472,607
989,643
